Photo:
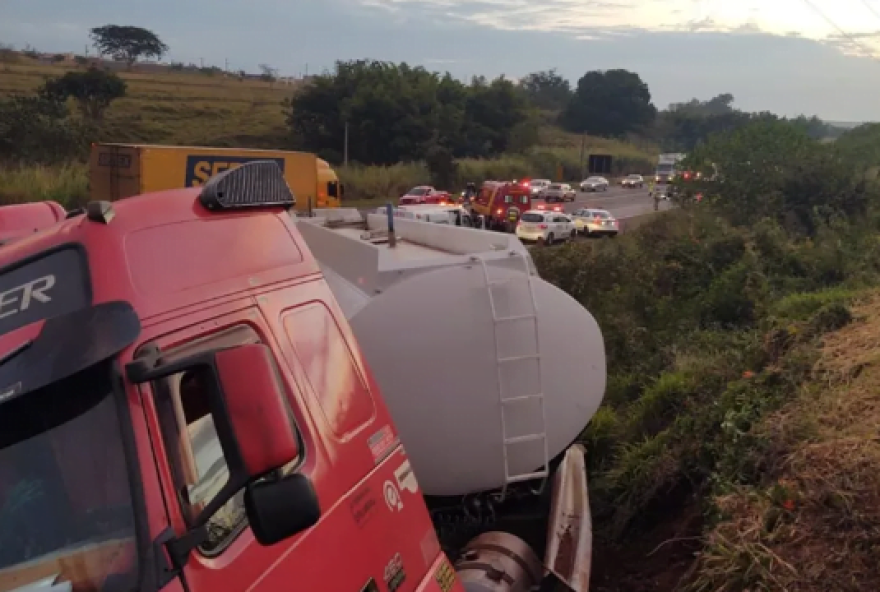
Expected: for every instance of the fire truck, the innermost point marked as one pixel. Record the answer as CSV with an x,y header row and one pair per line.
x,y
501,203
185,405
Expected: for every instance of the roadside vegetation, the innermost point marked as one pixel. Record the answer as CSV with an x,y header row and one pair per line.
x,y
731,399
406,126
736,447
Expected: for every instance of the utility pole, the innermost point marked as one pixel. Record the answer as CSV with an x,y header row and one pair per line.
x,y
583,150
345,147
202,61
226,67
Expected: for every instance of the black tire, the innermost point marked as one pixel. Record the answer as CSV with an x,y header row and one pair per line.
x,y
574,234
550,239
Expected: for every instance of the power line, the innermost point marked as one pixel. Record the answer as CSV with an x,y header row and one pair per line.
x,y
835,26
871,8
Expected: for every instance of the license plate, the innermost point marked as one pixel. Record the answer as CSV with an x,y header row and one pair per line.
x,y
528,226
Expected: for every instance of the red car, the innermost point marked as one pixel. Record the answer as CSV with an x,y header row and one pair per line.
x,y
425,194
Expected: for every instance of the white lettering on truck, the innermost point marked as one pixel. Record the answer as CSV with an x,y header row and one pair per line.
x,y
19,298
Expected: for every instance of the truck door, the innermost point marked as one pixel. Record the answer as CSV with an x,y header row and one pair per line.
x,y
229,558
348,450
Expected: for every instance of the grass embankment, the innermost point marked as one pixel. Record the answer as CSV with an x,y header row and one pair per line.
x,y
185,108
702,448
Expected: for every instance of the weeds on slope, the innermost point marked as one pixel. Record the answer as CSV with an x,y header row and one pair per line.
x,y
813,523
712,325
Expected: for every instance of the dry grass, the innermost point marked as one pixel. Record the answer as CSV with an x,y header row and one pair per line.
x,y
67,184
176,107
199,109
816,528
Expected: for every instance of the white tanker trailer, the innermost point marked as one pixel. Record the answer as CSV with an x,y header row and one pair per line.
x,y
489,372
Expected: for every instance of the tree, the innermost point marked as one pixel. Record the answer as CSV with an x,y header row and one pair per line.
x,y
547,89
38,130
441,165
92,89
683,126
396,113
771,168
610,103
268,73
127,44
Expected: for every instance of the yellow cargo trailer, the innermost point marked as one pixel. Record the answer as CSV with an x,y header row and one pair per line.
x,y
123,170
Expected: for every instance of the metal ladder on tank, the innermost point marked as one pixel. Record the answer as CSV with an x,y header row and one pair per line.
x,y
524,280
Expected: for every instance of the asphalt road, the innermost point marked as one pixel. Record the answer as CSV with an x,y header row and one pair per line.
x,y
621,202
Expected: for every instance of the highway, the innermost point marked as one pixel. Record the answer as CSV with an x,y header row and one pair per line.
x,y
621,202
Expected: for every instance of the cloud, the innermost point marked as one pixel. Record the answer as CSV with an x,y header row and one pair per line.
x,y
769,59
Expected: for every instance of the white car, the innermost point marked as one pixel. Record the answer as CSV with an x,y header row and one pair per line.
x,y
545,227
558,192
633,181
593,222
539,185
594,184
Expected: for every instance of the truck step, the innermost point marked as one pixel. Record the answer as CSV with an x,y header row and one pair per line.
x,y
542,474
521,398
519,358
526,438
516,318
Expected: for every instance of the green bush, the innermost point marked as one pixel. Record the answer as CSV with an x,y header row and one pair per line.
x,y
710,316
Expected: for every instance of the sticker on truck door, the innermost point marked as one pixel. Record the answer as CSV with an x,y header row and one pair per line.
x,y
200,168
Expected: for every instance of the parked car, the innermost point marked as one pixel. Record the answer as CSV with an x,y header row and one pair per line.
x,y
545,227
633,181
593,222
558,192
594,184
539,185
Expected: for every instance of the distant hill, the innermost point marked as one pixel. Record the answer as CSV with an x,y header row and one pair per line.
x,y
846,124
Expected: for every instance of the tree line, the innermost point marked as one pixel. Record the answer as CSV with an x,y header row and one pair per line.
x,y
396,112
379,113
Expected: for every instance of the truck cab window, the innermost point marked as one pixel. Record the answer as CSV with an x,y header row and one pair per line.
x,y
196,455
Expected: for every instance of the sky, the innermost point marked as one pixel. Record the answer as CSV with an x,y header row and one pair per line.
x,y
791,57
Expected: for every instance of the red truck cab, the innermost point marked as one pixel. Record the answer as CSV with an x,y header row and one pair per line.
x,y
183,407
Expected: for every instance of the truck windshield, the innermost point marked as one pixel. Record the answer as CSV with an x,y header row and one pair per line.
x,y
664,168
66,514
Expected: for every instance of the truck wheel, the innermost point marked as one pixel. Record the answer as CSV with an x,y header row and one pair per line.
x,y
550,239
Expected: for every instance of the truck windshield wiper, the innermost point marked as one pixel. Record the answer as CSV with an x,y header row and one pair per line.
x,y
21,348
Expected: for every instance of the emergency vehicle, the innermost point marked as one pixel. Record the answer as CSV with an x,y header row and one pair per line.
x,y
501,203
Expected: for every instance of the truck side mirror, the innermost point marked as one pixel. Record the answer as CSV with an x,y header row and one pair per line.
x,y
253,406
280,508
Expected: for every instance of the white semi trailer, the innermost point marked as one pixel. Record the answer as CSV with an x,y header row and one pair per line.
x,y
489,372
